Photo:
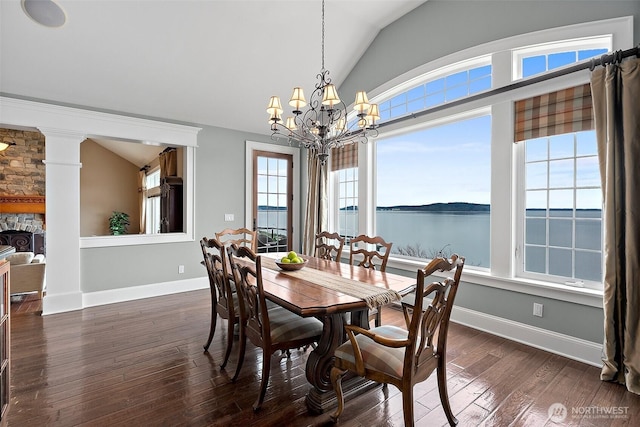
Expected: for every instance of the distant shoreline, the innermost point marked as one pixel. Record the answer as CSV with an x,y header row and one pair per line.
x,y
439,207
453,207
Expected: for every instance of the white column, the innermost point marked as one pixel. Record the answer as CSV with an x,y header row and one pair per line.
x,y
62,160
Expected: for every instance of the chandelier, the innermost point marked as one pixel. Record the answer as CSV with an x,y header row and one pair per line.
x,y
323,125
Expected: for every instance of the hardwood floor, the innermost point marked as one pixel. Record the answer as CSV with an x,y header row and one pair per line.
x,y
141,363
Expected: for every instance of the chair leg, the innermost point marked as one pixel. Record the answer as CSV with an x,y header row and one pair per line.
x,y
212,329
407,406
444,395
230,326
379,317
243,344
336,381
266,369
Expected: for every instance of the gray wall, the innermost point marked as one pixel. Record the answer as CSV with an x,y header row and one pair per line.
x,y
439,28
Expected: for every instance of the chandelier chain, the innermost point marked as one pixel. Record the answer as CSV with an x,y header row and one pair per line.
x,y
322,34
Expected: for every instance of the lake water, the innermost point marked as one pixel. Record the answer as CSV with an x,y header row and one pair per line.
x,y
467,234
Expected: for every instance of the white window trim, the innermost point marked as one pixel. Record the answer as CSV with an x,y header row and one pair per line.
x,y
152,239
503,209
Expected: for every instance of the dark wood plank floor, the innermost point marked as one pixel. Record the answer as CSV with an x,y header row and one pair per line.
x,y
140,363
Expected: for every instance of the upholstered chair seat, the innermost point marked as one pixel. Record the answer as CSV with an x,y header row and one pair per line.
x,y
287,326
378,358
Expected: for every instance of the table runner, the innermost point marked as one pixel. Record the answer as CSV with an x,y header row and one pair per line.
x,y
373,296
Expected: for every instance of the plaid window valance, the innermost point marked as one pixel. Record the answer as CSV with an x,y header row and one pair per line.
x,y
344,157
564,111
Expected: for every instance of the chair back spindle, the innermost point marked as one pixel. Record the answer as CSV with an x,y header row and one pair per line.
x,y
239,236
329,246
369,252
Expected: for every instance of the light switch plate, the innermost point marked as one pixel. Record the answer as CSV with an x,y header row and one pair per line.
x,y
537,309
228,217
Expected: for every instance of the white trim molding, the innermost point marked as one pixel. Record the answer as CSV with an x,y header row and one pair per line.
x,y
111,296
564,345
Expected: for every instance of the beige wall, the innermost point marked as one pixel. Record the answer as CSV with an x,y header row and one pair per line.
x,y
107,183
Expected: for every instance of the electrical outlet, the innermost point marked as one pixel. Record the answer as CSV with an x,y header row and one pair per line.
x,y
228,217
180,269
537,309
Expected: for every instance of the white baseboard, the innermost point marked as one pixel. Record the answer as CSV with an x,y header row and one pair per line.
x,y
564,345
574,348
92,299
60,303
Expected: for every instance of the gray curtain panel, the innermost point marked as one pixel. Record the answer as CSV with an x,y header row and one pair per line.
x,y
616,100
317,203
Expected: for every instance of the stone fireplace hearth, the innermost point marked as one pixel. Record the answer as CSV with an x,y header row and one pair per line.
x,y
22,222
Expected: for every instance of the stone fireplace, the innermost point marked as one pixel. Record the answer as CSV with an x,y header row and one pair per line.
x,y
22,213
22,223
22,201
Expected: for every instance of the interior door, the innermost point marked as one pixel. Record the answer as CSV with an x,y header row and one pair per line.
x,y
273,200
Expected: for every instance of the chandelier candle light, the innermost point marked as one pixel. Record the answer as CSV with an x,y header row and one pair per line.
x,y
323,124
5,145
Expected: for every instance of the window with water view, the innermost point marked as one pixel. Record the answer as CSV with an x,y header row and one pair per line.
x,y
434,190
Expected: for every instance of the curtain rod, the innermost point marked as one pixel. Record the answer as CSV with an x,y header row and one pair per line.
x,y
590,64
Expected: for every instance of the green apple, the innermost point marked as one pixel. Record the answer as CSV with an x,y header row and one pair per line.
x,y
292,255
285,260
298,260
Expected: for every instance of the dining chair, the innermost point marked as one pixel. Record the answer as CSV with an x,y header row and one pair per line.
x,y
328,246
370,252
224,301
239,236
404,357
270,329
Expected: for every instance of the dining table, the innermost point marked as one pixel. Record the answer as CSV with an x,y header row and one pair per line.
x,y
335,293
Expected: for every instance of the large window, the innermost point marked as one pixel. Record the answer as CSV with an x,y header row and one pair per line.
x,y
438,90
434,190
563,202
533,60
451,179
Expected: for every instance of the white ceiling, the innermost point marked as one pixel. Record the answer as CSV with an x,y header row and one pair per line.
x,y
213,62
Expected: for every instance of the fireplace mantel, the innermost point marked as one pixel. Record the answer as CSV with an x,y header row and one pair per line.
x,y
22,204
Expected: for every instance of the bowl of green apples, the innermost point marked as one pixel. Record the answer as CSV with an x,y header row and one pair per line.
x,y
291,262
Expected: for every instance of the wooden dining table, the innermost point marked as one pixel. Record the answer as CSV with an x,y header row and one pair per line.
x,y
303,293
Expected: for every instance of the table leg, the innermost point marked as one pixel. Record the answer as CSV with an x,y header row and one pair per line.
x,y
321,395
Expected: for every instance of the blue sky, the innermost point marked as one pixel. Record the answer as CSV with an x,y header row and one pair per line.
x,y
447,163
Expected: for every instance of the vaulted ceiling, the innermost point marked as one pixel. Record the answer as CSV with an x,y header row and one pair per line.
x,y
213,62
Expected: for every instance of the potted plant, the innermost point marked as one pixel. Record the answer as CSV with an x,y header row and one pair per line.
x,y
118,223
